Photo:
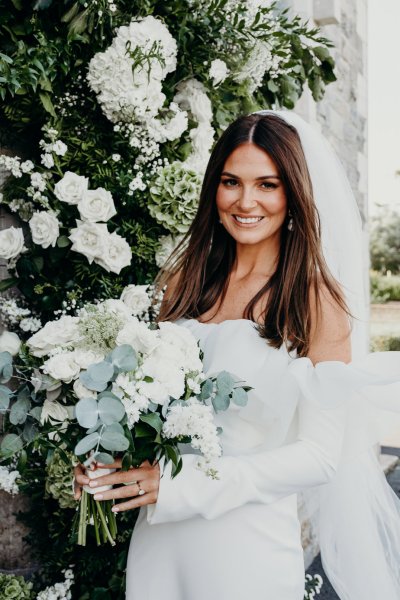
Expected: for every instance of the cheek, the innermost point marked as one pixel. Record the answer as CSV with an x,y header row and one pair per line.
x,y
223,198
275,204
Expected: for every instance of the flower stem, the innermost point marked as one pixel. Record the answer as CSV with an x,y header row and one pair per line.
x,y
106,531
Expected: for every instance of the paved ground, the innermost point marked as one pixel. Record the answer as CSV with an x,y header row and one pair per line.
x,y
327,592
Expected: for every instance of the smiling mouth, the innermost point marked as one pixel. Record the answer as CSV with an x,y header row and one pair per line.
x,y
245,220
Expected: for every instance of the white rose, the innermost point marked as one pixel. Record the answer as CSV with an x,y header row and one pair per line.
x,y
11,243
53,411
96,205
118,308
90,239
62,332
154,391
45,228
115,255
139,336
85,358
218,71
62,367
81,391
136,298
71,188
9,342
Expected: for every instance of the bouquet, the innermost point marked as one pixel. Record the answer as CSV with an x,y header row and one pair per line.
x,y
108,383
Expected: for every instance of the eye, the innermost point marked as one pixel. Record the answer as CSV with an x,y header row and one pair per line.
x,y
229,182
269,186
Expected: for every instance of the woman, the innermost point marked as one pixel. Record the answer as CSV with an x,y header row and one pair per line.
x,y
251,282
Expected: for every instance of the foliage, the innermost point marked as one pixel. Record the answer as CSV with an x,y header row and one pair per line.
x,y
385,242
383,343
384,288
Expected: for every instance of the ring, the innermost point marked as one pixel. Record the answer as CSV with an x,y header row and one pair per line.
x,y
141,491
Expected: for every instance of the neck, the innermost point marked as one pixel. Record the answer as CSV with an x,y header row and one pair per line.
x,y
260,259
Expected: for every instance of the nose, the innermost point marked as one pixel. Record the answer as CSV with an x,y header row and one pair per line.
x,y
246,200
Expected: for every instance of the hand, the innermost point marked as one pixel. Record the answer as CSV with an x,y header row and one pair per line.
x,y
80,479
147,475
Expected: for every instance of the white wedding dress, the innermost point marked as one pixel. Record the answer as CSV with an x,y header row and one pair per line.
x,y
239,537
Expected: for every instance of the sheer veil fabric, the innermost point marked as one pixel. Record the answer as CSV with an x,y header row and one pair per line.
x,y
358,512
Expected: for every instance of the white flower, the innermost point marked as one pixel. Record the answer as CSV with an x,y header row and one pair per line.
x,y
196,420
60,148
53,411
81,391
136,297
115,255
62,332
168,243
179,342
10,342
90,239
27,166
116,157
45,228
117,307
96,205
192,96
30,324
47,160
11,243
8,480
139,336
38,182
218,71
165,370
71,187
62,367
85,358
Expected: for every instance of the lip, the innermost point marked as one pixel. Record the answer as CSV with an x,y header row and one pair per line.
x,y
247,225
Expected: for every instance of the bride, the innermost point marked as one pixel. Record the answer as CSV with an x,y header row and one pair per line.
x,y
269,279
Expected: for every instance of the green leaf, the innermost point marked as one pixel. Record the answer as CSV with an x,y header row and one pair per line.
x,y
126,461
36,412
113,441
103,457
19,411
5,395
47,103
110,410
63,241
30,432
11,444
6,368
239,396
5,284
86,412
86,444
154,420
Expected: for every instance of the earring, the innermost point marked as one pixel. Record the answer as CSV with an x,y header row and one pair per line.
x,y
290,225
220,221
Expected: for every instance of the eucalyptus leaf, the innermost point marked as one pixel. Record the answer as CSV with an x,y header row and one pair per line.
x,y
6,368
30,432
5,395
95,427
225,383
11,444
35,412
207,388
103,457
239,396
220,402
110,410
86,412
113,441
19,411
87,443
116,427
123,358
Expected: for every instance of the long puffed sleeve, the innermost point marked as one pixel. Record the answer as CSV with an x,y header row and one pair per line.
x,y
328,395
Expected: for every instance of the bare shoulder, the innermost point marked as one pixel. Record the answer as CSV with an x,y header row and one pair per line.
x,y
330,328
171,285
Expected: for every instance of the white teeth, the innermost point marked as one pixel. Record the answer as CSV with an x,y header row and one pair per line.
x,y
248,219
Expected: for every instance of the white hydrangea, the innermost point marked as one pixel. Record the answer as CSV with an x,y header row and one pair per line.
x,y
8,480
195,419
45,228
168,244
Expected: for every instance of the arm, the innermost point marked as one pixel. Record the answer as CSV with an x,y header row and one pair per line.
x,y
268,476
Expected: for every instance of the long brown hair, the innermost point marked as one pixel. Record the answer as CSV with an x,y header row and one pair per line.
x,y
202,263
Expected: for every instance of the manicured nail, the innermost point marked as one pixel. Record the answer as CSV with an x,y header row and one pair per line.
x,y
92,483
115,509
98,496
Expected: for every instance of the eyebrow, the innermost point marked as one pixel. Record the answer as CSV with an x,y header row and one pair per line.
x,y
257,178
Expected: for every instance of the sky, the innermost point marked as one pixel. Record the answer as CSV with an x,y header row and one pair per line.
x,y
384,103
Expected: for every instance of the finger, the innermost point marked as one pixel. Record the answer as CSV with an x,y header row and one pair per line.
x,y
119,477
125,491
77,490
135,503
117,464
81,478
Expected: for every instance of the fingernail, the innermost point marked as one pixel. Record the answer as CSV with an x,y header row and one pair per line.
x,y
115,509
100,464
92,483
98,496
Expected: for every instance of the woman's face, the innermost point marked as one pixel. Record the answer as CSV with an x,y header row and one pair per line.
x,y
251,199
